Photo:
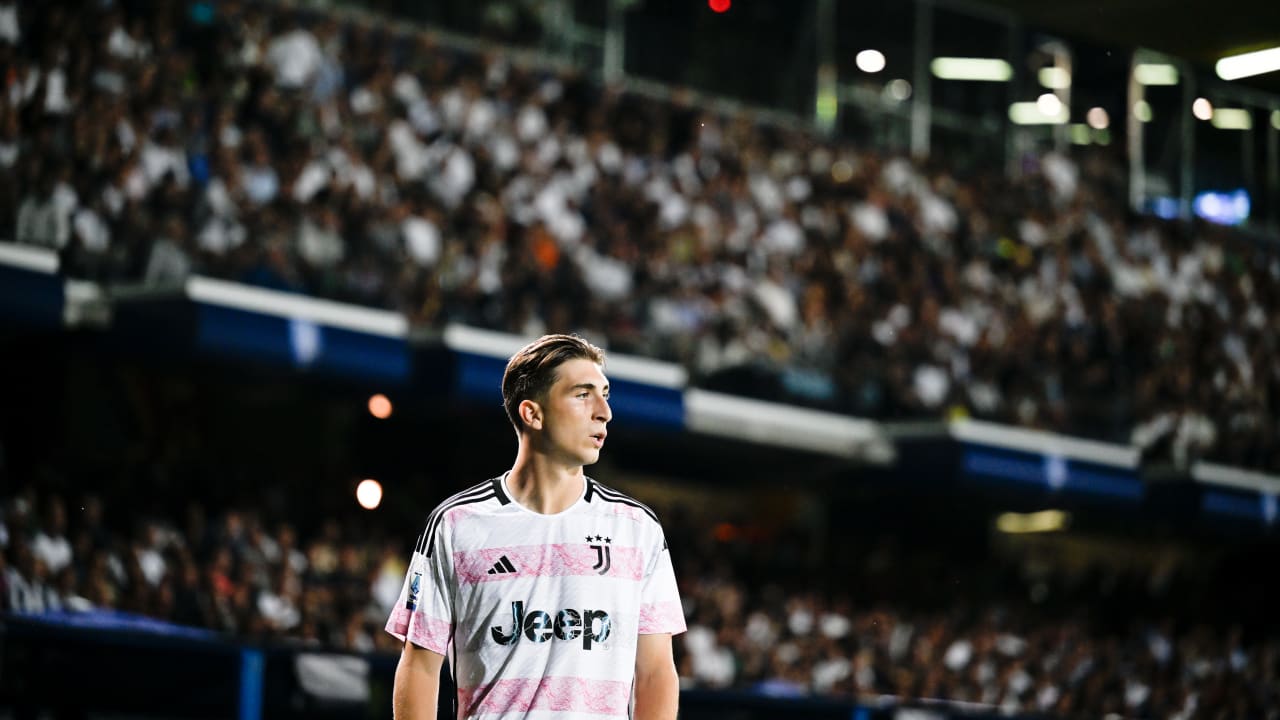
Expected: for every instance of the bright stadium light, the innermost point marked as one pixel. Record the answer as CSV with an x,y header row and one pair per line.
x,y
1232,119
1054,78
870,61
1248,64
1097,118
898,89
1155,74
1142,111
1049,105
1030,113
1202,109
1036,522
380,406
977,69
1224,208
369,494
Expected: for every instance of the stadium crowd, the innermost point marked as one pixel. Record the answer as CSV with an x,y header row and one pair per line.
x,y
878,626
368,163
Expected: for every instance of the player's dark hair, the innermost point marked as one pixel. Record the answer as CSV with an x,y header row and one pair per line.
x,y
531,371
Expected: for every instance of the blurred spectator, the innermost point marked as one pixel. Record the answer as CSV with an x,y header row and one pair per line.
x,y
10,28
148,551
289,554
40,219
27,582
69,595
278,605
50,544
169,262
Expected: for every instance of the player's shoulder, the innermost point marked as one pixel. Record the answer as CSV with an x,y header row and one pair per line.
x,y
601,495
489,491
471,499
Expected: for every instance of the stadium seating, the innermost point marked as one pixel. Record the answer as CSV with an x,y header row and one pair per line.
x,y
375,166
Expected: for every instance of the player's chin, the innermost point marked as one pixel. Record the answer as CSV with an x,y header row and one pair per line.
x,y
590,457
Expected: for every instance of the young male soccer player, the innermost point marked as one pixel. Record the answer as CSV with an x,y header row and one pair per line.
x,y
552,595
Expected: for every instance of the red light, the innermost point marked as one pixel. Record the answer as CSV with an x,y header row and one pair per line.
x,y
719,5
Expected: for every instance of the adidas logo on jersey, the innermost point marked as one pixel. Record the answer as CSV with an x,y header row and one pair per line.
x,y
502,567
593,626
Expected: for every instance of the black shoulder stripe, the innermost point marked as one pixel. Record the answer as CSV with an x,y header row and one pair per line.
x,y
478,493
497,489
472,491
428,539
635,504
475,491
612,495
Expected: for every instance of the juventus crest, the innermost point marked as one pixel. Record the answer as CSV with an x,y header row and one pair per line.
x,y
604,560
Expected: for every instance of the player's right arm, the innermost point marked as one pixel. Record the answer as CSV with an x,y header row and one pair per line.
x,y
417,683
422,620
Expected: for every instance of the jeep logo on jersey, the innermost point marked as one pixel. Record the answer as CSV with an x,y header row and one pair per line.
x,y
593,626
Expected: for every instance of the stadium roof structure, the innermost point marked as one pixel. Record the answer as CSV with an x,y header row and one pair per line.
x,y
1201,31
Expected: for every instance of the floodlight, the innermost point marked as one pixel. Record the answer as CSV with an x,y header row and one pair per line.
x,y
1232,119
1030,113
1097,118
975,69
1249,64
1054,78
1155,74
870,61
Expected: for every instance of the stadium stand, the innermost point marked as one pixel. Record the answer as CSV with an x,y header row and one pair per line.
x,y
373,165
893,621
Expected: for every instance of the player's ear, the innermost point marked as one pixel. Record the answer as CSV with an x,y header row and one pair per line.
x,y
531,414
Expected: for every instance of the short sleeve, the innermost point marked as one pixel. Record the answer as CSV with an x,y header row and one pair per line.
x,y
423,614
660,608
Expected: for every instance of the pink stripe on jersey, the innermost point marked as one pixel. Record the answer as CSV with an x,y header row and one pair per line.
x,y
420,630
473,566
555,694
663,617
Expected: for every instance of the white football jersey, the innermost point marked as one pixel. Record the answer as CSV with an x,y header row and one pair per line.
x,y
539,614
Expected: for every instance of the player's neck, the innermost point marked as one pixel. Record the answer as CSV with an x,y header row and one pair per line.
x,y
543,485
